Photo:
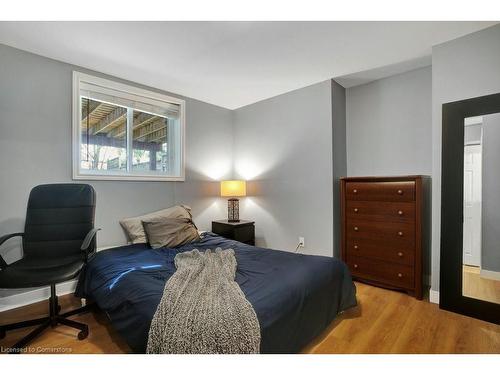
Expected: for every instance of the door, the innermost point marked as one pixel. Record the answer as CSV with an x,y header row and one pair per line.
x,y
472,205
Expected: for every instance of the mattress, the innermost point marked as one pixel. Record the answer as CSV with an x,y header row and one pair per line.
x,y
295,296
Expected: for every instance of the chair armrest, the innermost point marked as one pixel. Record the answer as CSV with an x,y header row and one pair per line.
x,y
7,236
88,238
4,264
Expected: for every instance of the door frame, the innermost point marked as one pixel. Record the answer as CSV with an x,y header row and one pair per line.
x,y
452,181
480,146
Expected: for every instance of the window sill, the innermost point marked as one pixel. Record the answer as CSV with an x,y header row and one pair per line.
x,y
95,177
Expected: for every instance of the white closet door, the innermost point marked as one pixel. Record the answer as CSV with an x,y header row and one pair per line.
x,y
472,205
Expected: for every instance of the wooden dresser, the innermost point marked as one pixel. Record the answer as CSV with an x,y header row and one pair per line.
x,y
381,234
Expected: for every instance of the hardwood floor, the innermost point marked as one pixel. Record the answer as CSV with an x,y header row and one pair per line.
x,y
392,322
384,322
478,287
61,339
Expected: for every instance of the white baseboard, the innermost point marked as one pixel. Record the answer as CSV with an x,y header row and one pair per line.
x,y
37,295
434,296
493,275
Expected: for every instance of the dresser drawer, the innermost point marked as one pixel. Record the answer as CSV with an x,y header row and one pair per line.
x,y
381,250
382,271
381,211
388,233
382,228
397,191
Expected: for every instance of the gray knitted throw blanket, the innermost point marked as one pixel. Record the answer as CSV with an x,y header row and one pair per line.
x,y
203,309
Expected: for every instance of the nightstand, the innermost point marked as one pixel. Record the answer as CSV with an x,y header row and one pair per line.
x,y
242,231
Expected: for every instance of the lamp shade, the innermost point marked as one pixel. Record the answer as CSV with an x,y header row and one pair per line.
x,y
233,188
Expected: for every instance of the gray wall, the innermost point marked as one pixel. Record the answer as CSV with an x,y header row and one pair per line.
x,y
463,68
339,163
35,148
283,146
389,132
490,248
209,155
389,126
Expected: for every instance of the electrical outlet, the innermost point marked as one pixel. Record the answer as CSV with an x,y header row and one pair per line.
x,y
302,242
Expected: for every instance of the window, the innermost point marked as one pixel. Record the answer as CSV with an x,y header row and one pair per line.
x,y
121,132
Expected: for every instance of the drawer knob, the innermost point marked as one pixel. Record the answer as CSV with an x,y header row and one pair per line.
x,y
355,210
356,229
400,213
400,192
355,266
356,247
400,254
355,191
400,275
400,234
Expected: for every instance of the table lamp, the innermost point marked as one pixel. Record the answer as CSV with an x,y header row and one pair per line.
x,y
233,189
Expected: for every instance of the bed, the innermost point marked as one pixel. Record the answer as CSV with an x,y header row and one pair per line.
x,y
295,296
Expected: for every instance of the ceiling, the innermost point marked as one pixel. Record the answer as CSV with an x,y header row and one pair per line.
x,y
233,64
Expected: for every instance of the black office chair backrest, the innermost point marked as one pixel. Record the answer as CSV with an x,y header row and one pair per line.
x,y
58,218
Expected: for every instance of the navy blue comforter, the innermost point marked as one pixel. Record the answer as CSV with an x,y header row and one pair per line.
x,y
295,296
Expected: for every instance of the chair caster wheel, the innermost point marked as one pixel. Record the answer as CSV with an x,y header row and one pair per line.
x,y
82,335
2,334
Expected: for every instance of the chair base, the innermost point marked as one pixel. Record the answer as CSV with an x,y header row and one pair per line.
x,y
52,320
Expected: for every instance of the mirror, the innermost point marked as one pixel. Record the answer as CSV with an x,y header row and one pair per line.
x,y
481,208
469,259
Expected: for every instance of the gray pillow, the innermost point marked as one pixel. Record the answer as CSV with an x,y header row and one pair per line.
x,y
135,230
170,232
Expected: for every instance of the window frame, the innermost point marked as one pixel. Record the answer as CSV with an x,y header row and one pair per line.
x,y
129,92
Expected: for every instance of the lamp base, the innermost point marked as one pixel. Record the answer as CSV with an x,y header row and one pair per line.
x,y
233,210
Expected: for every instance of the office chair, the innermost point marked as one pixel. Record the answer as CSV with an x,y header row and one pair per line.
x,y
58,238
